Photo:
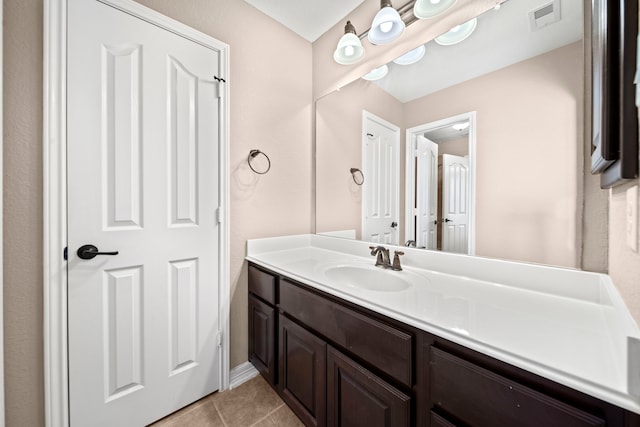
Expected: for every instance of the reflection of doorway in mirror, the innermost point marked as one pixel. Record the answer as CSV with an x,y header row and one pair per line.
x,y
426,194
381,187
440,198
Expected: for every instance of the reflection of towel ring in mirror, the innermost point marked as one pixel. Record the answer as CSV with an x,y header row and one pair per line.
x,y
354,173
255,153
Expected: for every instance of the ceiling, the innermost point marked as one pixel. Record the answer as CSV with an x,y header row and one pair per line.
x,y
308,18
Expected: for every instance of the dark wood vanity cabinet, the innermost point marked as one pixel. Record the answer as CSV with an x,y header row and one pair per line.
x,y
339,364
263,323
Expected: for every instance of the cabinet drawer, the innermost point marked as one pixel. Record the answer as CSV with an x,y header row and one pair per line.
x,y
262,284
381,345
479,397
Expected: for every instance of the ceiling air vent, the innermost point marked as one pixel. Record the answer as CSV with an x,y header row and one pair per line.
x,y
544,15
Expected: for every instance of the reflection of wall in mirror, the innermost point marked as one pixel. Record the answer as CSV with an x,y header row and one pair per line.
x,y
339,132
529,128
528,131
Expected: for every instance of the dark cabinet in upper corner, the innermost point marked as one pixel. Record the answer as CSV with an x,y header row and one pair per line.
x,y
357,397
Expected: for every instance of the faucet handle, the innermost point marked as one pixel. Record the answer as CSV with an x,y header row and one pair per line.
x,y
396,261
379,251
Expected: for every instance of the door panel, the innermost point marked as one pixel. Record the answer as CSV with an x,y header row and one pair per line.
x,y
122,135
143,111
382,181
427,193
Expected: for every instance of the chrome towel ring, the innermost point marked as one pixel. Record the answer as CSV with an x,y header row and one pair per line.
x,y
252,155
358,176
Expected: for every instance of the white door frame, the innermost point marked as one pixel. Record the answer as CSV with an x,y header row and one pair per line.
x,y
2,421
56,373
410,171
396,132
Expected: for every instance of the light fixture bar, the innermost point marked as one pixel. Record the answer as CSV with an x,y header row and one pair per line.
x,y
410,18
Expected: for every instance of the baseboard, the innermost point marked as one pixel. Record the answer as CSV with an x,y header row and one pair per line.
x,y
241,373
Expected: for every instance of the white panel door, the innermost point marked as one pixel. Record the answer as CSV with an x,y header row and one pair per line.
x,y
427,193
143,142
455,203
382,181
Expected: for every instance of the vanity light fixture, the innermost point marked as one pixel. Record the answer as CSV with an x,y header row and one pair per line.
x,y
349,49
387,24
411,57
376,73
425,9
457,33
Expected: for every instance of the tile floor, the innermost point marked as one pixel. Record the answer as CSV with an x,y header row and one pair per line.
x,y
252,404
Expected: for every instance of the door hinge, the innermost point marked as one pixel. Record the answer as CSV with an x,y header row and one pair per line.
x,y
64,253
219,217
219,338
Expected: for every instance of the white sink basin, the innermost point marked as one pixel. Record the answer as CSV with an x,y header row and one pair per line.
x,y
367,277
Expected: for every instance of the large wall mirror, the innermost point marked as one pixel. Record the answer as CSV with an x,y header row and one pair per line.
x,y
477,148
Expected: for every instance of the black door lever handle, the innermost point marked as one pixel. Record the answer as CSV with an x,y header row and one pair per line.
x,y
90,252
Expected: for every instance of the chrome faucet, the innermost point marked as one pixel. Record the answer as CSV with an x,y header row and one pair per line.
x,y
410,243
382,259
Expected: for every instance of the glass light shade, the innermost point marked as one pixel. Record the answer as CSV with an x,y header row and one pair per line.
x,y
457,33
376,73
411,57
460,126
425,9
349,50
386,27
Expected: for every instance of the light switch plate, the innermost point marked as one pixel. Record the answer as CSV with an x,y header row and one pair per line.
x,y
631,218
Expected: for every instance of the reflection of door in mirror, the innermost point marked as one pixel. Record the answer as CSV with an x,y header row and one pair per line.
x,y
440,184
381,188
455,203
426,182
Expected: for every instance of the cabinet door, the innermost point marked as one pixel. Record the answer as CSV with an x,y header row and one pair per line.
x,y
356,397
303,372
262,336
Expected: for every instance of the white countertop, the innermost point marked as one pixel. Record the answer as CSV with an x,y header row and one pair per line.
x,y
566,325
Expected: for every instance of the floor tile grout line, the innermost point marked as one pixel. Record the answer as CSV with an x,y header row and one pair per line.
x,y
270,413
224,423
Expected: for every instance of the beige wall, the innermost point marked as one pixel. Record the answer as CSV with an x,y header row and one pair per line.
x,y
270,100
624,264
22,204
339,148
527,125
